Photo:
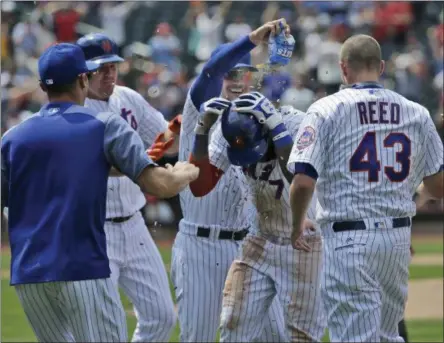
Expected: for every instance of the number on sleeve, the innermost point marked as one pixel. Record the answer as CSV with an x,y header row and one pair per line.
x,y
365,157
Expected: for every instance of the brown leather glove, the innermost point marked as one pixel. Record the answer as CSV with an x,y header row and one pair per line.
x,y
159,147
175,123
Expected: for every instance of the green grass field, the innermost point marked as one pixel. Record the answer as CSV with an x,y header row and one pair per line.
x,y
15,328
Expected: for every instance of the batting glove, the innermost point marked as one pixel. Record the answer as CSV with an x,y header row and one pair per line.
x,y
259,106
264,111
211,110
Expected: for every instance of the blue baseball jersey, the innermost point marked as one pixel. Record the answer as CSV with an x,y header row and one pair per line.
x,y
55,168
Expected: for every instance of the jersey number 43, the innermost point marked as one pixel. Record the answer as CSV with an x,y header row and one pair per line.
x,y
365,157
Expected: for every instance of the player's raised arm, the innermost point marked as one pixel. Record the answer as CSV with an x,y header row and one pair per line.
x,y
209,174
125,151
208,84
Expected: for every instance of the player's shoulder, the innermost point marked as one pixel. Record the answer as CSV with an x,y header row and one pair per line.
x,y
128,93
16,128
292,118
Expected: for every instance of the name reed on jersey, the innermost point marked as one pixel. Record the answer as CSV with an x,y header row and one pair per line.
x,y
373,112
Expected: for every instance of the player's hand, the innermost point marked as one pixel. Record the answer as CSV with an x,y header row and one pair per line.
x,y
187,169
262,33
258,105
159,147
175,124
211,110
297,236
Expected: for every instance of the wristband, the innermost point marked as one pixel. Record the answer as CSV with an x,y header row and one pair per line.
x,y
281,136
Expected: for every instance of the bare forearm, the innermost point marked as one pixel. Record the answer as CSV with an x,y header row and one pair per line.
x,y
163,183
301,193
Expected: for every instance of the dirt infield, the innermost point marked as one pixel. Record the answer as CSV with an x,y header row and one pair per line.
x,y
425,299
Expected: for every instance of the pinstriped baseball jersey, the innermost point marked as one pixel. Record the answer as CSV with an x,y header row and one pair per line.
x,y
268,187
124,197
227,204
371,148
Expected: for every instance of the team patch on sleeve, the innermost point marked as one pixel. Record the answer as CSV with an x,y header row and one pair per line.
x,y
307,138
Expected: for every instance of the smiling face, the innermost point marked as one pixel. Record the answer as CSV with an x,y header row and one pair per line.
x,y
101,84
236,82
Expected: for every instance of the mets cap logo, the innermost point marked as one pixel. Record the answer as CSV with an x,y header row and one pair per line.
x,y
307,138
106,46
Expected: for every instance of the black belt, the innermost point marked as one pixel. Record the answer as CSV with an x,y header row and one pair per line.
x,y
360,225
223,234
120,219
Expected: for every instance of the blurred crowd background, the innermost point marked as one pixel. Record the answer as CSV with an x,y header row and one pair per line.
x,y
166,43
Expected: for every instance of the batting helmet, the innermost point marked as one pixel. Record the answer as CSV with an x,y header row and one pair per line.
x,y
99,48
246,138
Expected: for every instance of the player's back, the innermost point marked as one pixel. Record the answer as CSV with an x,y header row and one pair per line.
x,y
375,146
57,170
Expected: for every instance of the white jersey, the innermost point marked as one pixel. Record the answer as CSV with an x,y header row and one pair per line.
x,y
124,197
268,186
226,206
371,148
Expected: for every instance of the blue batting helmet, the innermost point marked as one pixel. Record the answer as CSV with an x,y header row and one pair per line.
x,y
99,48
246,138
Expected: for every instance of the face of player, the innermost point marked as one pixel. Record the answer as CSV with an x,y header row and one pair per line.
x,y
237,82
102,82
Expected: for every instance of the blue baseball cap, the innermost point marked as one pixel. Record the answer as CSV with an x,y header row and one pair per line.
x,y
244,62
60,64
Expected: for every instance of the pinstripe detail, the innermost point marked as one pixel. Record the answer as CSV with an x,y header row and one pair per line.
x,y
74,311
267,271
200,265
124,196
199,269
137,267
365,284
225,205
135,261
349,196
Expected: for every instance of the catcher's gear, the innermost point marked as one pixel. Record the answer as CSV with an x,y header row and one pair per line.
x,y
159,147
99,48
246,138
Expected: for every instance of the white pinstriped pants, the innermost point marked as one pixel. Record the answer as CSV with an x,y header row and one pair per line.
x,y
199,269
266,272
137,267
74,311
365,283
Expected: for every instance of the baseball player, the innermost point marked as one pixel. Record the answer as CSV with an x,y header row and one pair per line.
x,y
254,135
136,264
54,172
213,226
366,149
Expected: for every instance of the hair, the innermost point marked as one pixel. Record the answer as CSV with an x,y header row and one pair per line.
x,y
57,90
361,52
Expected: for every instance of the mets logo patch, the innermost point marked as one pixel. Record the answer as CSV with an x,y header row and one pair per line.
x,y
307,138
